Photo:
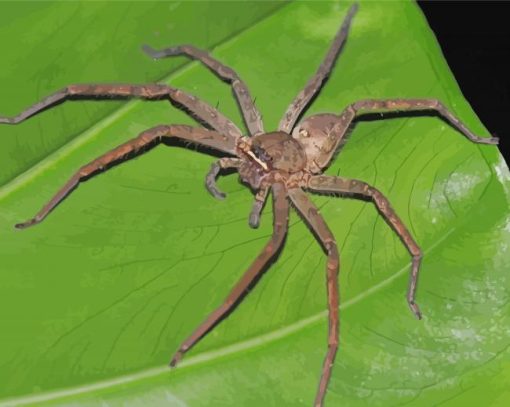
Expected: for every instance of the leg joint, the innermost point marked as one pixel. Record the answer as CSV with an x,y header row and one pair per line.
x,y
330,245
360,187
279,231
417,253
378,198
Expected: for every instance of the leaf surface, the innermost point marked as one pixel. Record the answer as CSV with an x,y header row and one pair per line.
x,y
96,298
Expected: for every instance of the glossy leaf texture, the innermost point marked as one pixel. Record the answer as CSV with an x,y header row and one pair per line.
x,y
95,300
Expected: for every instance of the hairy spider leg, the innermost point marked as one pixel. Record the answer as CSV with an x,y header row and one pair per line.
x,y
191,104
210,179
392,105
250,113
323,183
315,83
316,222
148,138
280,225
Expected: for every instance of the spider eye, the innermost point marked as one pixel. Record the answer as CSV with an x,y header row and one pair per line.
x,y
261,153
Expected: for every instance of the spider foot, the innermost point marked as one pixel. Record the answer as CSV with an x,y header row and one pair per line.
x,y
153,53
210,181
488,140
415,309
27,224
216,192
254,220
177,358
7,120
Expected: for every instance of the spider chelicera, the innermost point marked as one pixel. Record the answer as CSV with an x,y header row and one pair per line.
x,y
285,161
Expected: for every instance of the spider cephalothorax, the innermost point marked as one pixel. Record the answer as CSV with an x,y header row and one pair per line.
x,y
270,157
287,165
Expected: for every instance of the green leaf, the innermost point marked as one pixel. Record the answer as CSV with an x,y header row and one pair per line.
x,y
48,45
96,298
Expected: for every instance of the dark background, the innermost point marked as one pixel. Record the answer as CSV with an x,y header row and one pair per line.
x,y
475,39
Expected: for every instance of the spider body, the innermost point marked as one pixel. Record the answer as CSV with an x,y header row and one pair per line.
x,y
319,135
286,162
280,151
270,157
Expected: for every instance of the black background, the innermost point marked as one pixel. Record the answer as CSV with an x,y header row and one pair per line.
x,y
475,39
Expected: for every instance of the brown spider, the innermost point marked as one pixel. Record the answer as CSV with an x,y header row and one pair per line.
x,y
286,161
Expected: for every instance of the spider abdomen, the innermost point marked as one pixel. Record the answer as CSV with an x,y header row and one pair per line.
x,y
320,136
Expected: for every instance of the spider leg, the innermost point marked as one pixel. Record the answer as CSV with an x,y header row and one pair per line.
x,y
251,115
148,138
322,183
210,179
316,222
388,105
194,106
315,83
256,210
280,224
